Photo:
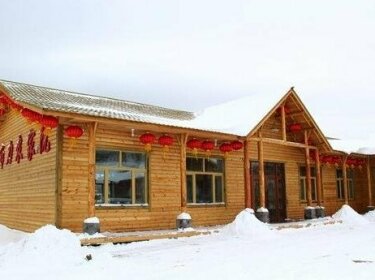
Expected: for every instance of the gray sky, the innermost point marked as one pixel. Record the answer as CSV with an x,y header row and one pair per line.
x,y
192,54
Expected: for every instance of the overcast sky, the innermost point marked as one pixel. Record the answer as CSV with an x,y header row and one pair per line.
x,y
193,54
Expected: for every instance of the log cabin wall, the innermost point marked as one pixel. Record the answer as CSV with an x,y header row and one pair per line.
x,y
27,189
164,190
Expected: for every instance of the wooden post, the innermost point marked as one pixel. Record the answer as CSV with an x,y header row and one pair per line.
x,y
308,171
318,178
262,188
345,180
247,174
369,182
183,171
91,165
283,123
59,166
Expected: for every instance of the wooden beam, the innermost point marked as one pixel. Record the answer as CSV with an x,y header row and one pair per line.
x,y
318,179
369,182
345,180
283,123
308,170
281,142
59,166
262,188
183,140
91,165
247,174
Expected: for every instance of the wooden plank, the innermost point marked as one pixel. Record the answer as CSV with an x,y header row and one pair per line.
x,y
247,175
318,178
281,142
345,179
308,170
283,122
91,168
369,190
183,139
59,174
262,190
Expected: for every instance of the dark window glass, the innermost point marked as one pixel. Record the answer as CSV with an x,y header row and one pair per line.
x,y
189,186
99,187
134,160
214,165
120,187
107,158
302,189
194,164
339,173
302,171
219,195
204,188
140,188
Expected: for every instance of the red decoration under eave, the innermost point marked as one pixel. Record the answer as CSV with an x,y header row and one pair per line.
x,y
286,110
49,122
74,131
166,140
296,127
207,145
31,115
147,139
194,144
236,145
226,148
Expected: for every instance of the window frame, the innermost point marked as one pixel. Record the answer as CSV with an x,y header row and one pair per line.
x,y
213,175
340,184
106,169
314,185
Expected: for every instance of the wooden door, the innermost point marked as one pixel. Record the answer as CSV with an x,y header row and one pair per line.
x,y
275,189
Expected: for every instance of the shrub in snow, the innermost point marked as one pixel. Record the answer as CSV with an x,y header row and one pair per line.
x,y
247,225
348,216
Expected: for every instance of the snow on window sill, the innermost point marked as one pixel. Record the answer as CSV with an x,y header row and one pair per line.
x,y
109,205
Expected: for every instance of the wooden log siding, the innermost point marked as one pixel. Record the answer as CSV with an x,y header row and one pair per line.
x,y
164,187
27,189
369,184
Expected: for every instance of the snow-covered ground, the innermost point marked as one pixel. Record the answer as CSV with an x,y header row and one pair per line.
x,y
243,249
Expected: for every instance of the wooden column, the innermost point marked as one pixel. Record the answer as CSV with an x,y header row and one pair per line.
x,y
283,122
59,166
183,139
318,178
369,182
345,180
262,187
247,174
308,171
91,165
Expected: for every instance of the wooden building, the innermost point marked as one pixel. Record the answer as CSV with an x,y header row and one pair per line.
x,y
66,157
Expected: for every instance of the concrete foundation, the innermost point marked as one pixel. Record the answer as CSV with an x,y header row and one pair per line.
x,y
310,213
263,216
320,212
91,228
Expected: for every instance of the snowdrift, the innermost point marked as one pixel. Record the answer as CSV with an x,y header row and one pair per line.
x,y
8,235
247,225
370,216
48,246
348,216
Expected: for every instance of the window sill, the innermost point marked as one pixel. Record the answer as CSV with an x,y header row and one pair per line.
x,y
122,206
198,205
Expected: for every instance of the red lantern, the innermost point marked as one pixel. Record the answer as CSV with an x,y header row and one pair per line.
x,y
165,141
49,122
147,139
226,148
286,110
350,162
296,127
207,146
236,145
74,131
194,144
31,116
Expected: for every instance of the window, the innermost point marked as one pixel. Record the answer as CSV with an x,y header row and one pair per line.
x,y
121,178
340,183
303,184
205,180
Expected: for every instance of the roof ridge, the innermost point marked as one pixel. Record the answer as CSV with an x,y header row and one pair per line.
x,y
99,97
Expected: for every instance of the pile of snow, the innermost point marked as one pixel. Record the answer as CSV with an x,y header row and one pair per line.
x,y
348,216
247,225
47,246
8,235
370,216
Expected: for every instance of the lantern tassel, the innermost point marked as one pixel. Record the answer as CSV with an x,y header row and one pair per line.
x,y
148,147
165,151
